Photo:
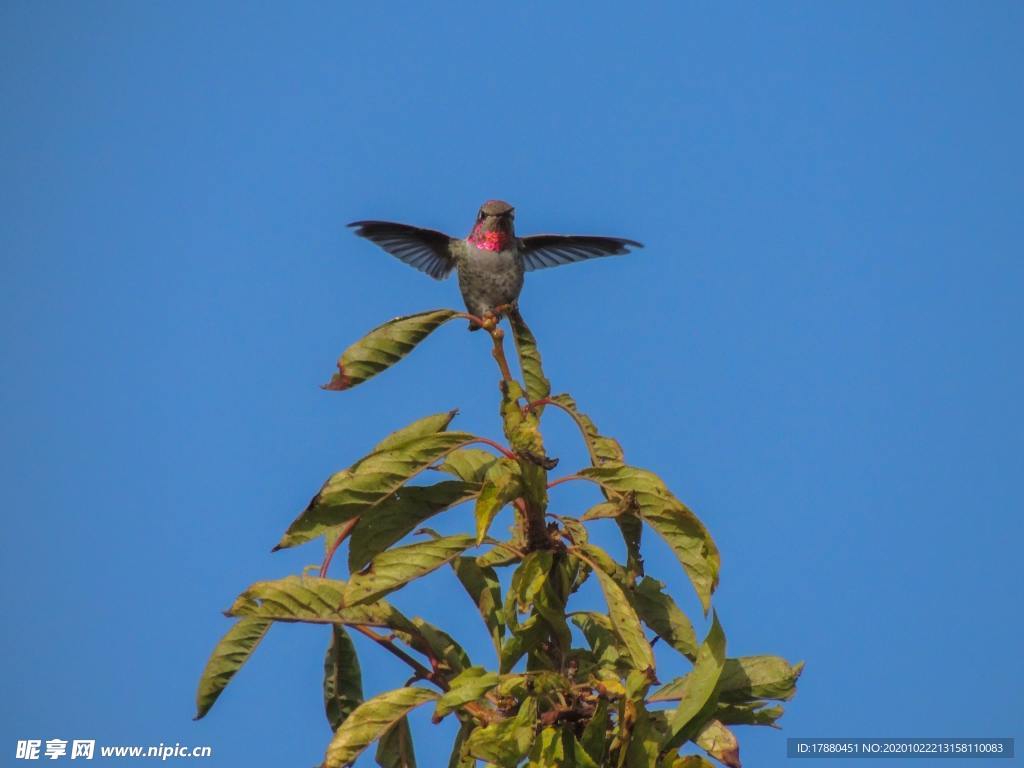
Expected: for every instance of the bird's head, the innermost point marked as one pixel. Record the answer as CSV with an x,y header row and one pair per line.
x,y
495,225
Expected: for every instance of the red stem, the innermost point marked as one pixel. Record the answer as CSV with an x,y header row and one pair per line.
x,y
565,479
342,535
497,446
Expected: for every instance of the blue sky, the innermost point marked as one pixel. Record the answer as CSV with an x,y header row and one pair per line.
x,y
819,348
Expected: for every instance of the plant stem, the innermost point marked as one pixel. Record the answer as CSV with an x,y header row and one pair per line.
x,y
342,535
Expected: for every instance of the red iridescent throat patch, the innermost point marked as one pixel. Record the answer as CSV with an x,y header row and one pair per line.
x,y
489,241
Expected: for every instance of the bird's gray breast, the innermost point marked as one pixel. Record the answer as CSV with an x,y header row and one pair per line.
x,y
487,278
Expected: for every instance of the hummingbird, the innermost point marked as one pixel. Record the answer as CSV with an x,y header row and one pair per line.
x,y
491,261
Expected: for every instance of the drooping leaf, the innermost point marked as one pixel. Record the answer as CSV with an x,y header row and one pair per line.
x,y
370,721
469,685
428,425
620,609
469,464
459,758
395,750
484,588
227,658
581,757
527,581
384,346
343,680
645,737
502,485
660,612
594,739
537,385
360,488
603,450
698,687
395,568
670,518
507,742
549,749
398,516
604,641
719,742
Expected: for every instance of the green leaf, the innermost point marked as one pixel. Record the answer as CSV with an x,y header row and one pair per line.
x,y
499,555
660,612
400,515
760,677
603,450
395,568
459,758
371,720
527,581
394,749
751,713
484,588
384,346
719,742
313,600
438,644
471,684
523,639
502,485
670,518
581,756
645,738
745,679
548,749
228,656
343,680
594,738
620,609
537,386
698,686
469,464
428,425
374,478
601,636
507,742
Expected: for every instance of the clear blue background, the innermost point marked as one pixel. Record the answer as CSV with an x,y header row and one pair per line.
x,y
819,349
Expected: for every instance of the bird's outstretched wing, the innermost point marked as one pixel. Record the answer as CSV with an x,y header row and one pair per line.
x,y
426,249
540,251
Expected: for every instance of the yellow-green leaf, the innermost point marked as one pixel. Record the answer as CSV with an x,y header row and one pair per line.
x,y
227,658
670,518
394,750
620,609
395,568
507,742
502,485
719,742
484,588
359,489
384,346
698,686
537,385
313,600
397,517
343,680
471,684
369,722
